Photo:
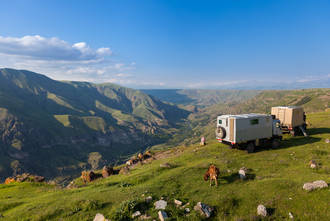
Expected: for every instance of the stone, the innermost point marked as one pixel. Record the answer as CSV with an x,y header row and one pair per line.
x,y
204,209
242,173
160,204
313,166
319,184
187,210
185,205
148,199
178,202
290,215
107,171
99,217
262,211
136,214
39,179
165,165
162,215
327,140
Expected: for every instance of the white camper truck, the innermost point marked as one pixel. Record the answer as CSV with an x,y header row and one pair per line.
x,y
248,130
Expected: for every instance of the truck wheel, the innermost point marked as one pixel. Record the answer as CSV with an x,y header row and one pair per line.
x,y
250,147
275,143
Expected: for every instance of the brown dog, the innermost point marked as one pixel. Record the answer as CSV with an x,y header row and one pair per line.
x,y
212,173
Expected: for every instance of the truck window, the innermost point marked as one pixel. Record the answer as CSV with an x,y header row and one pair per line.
x,y
254,121
220,121
226,122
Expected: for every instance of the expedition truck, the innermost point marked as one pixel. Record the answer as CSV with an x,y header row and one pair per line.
x,y
293,119
248,130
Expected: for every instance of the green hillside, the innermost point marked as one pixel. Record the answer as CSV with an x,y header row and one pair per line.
x,y
49,127
276,180
202,122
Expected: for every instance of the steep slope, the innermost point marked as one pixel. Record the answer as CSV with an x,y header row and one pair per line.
x,y
51,127
276,179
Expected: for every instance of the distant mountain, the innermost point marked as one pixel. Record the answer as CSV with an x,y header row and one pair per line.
x,y
55,128
200,97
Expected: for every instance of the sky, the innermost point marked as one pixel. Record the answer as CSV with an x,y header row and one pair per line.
x,y
170,44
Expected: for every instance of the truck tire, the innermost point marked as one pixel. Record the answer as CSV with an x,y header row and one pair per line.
x,y
250,147
220,132
275,143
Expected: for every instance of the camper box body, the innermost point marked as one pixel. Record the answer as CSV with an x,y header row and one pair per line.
x,y
290,116
245,127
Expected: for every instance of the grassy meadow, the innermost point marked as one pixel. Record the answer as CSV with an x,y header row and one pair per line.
x,y
275,180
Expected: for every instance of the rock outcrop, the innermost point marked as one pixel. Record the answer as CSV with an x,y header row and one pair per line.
x,y
160,204
319,184
205,210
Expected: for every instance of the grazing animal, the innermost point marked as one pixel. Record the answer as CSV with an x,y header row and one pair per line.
x,y
107,171
212,173
140,156
129,163
88,176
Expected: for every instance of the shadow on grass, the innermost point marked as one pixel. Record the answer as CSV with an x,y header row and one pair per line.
x,y
235,176
297,141
270,211
314,131
291,142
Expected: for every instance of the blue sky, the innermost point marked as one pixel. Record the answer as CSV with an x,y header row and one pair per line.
x,y
170,44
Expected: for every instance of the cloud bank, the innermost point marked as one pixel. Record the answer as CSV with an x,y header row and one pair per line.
x,y
40,48
61,60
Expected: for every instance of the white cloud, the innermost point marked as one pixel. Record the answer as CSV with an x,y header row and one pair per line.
x,y
61,60
41,48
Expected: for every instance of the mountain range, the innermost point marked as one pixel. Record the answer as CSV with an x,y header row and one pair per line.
x,y
56,128
59,128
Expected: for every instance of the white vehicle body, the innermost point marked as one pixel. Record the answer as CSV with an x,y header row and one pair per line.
x,y
244,128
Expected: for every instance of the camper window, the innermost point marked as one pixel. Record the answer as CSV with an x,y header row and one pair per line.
x,y
254,121
220,121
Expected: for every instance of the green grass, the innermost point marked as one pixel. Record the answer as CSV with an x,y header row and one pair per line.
x,y
277,177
